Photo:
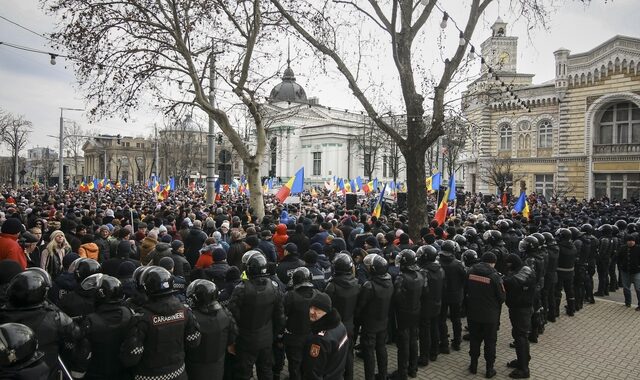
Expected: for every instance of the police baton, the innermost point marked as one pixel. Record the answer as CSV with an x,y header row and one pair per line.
x,y
64,369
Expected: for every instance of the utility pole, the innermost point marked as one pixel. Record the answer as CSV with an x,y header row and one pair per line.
x,y
157,153
211,144
61,155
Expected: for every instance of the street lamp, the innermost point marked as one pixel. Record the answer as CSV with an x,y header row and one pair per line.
x,y
61,156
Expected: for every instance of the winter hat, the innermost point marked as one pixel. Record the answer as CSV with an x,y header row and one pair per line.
x,y
217,235
124,249
372,241
126,269
68,259
514,260
318,247
11,226
8,269
311,257
291,248
176,244
321,301
166,238
219,254
252,240
162,230
225,224
233,274
489,257
166,263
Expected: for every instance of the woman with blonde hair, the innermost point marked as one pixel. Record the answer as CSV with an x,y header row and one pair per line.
x,y
57,249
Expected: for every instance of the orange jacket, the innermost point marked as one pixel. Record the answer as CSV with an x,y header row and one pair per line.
x,y
89,250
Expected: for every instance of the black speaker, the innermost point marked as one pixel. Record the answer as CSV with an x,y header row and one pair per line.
x,y
352,199
402,201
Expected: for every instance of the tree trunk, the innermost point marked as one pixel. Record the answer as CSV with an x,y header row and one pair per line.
x,y
416,191
255,187
15,168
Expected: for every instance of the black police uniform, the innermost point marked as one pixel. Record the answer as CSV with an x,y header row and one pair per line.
x,y
343,290
106,328
566,265
78,302
550,281
452,297
218,331
484,297
156,344
325,352
372,310
296,310
605,251
409,286
583,248
256,329
591,267
430,312
520,286
535,262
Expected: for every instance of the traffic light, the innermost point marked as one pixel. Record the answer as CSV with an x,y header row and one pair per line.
x,y
119,138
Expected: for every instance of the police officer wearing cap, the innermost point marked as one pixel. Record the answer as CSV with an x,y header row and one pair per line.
x,y
256,304
325,352
372,310
296,310
106,328
343,289
484,296
217,328
162,331
289,263
19,355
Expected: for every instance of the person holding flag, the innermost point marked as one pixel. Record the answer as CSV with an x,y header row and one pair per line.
x,y
522,206
449,195
377,210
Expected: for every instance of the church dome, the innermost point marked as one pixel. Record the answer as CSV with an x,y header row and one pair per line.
x,y
288,90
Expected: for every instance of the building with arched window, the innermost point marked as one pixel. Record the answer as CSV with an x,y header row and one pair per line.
x,y
577,134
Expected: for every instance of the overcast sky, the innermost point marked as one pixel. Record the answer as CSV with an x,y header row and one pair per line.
x,y
30,86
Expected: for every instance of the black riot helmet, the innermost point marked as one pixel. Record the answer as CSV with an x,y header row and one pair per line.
x,y
615,230
406,258
461,240
300,277
606,230
563,234
502,225
575,233
18,344
469,257
587,229
83,268
202,293
528,245
28,289
448,247
631,228
343,264
493,237
548,238
375,264
157,281
257,266
138,274
426,254
106,288
621,224
540,237
470,233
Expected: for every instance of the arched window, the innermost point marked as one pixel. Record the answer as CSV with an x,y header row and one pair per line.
x,y
545,134
619,124
505,137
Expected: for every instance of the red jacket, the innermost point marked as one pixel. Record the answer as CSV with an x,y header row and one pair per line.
x,y
11,250
280,239
205,260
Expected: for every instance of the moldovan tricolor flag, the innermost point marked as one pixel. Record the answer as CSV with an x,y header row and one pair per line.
x,y
294,185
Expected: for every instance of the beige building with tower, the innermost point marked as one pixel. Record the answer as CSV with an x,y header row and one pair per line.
x,y
575,135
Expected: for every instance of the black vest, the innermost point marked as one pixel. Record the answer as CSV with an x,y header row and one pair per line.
x,y
107,329
215,328
164,344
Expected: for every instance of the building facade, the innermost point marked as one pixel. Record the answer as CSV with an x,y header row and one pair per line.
x,y
328,142
125,158
576,135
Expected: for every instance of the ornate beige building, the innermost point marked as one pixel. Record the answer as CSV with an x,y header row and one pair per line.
x,y
579,133
127,158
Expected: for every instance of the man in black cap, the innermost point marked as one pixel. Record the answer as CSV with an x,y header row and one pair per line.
x,y
289,262
484,295
326,350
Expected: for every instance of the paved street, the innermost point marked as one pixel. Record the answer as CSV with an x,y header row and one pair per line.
x,y
581,347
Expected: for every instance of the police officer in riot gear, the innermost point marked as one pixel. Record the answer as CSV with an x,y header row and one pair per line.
x,y
566,265
583,248
551,277
606,249
520,286
296,310
256,329
343,289
80,301
106,327
496,245
452,297
530,252
409,289
591,261
19,355
217,332
372,310
156,343
431,304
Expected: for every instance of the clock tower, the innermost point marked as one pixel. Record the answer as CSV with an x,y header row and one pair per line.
x,y
500,50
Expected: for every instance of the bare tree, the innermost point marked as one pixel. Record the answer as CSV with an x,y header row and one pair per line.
x,y
369,141
163,52
47,165
499,173
75,137
325,25
457,133
15,134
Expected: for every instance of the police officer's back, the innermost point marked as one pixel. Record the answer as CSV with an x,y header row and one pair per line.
x,y
431,303
256,305
162,331
217,328
106,328
80,301
19,355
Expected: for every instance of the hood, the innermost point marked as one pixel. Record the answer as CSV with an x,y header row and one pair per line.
x,y
384,280
339,244
483,269
281,229
91,247
284,218
148,242
164,306
345,280
433,267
